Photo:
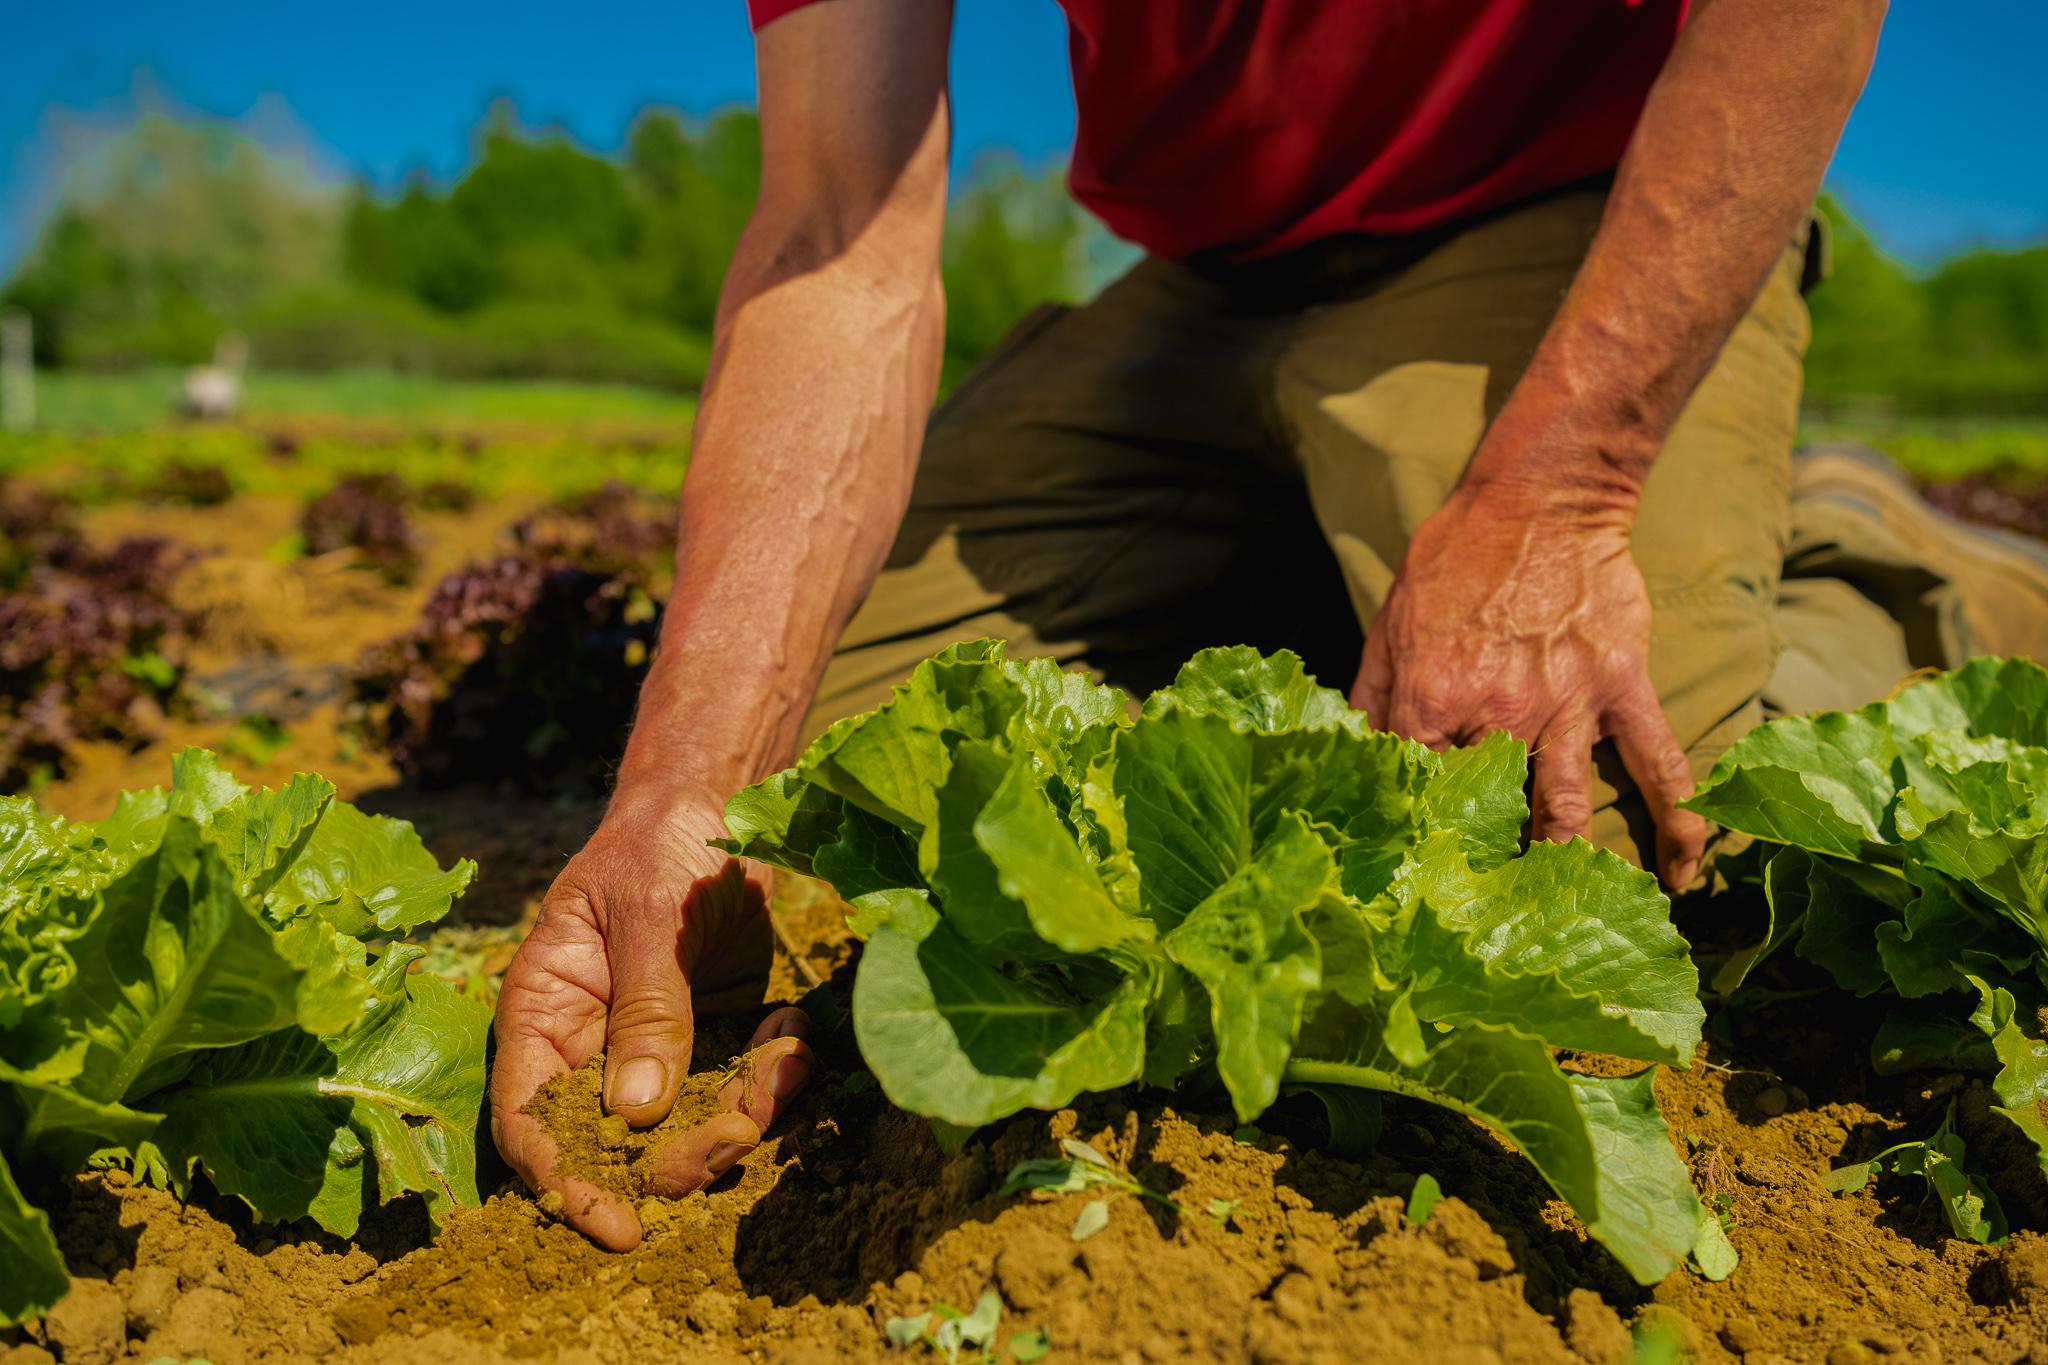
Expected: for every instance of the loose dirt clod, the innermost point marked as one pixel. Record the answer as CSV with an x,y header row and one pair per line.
x,y
603,1148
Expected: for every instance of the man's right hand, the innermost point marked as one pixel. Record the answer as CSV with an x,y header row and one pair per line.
x,y
786,518
644,927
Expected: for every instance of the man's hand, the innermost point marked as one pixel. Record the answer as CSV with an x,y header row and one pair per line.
x,y
643,928
1504,617
1517,605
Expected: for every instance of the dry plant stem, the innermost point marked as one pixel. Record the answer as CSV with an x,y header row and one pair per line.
x,y
811,975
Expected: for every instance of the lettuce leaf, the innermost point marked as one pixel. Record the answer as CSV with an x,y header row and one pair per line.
x,y
35,1278
1242,881
190,983
1911,864
288,1123
1599,1142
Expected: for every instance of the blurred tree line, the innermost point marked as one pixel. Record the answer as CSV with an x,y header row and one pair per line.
x,y
546,260
542,260
1969,337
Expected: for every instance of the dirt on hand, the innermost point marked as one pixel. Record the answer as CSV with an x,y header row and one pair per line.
x,y
603,1148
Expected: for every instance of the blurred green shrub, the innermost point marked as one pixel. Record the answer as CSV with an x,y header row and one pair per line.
x,y
543,260
515,339
1968,337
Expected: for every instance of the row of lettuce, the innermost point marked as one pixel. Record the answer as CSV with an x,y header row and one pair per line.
x,y
1245,884
1241,891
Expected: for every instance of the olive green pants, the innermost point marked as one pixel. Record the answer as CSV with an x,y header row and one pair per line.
x,y
1207,456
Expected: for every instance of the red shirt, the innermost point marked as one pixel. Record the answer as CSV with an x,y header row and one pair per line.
x,y
1250,128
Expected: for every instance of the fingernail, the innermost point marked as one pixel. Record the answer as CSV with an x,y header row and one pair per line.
x,y
788,1077
638,1082
719,1159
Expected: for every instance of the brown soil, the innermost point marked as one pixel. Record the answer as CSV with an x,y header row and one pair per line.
x,y
2007,499
603,1148
849,1213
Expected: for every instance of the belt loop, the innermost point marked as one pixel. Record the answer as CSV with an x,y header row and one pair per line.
x,y
1820,252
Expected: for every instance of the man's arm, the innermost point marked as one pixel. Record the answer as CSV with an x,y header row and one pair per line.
x,y
824,364
1517,605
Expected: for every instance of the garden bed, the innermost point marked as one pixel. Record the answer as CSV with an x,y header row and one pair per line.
x,y
851,1215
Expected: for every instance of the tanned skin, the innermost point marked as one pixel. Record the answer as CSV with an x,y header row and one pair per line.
x,y
1517,606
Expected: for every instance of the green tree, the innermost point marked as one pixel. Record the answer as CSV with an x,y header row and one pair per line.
x,y
1013,241
1968,337
172,231
696,190
1869,317
418,246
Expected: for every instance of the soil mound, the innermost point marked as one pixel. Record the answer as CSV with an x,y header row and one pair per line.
x,y
850,1214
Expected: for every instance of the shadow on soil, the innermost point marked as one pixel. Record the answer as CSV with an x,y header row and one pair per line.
x,y
87,1214
519,841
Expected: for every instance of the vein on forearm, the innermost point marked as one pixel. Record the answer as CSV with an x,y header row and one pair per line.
x,y
803,458
1721,170
825,360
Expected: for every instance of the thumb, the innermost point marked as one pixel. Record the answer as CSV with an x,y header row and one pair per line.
x,y
648,1033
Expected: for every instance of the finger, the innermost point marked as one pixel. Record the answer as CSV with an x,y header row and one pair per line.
x,y
522,1066
549,1020
787,1022
597,1213
778,1064
1419,719
647,1038
1654,758
697,1156
530,1053
1561,801
1374,688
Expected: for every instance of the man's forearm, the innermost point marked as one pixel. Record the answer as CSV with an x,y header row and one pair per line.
x,y
802,463
1724,164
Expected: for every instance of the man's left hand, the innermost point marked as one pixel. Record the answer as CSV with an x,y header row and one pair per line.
x,y
1508,616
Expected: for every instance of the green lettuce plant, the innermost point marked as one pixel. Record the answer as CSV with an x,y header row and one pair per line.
x,y
1902,850
1243,882
206,980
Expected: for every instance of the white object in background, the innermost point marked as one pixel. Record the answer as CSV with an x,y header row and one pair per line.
x,y
17,370
215,391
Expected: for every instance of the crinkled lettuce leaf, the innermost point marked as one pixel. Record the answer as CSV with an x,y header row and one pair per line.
x,y
291,1123
192,978
1061,897
1911,863
1950,776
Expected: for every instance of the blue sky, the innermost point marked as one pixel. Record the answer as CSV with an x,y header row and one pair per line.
x,y
1948,148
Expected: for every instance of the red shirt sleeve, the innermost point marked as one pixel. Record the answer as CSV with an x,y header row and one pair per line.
x,y
763,12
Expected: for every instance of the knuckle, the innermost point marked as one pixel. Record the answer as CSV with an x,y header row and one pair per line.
x,y
1671,770
565,911
1565,810
1426,713
644,1011
1430,703
560,922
